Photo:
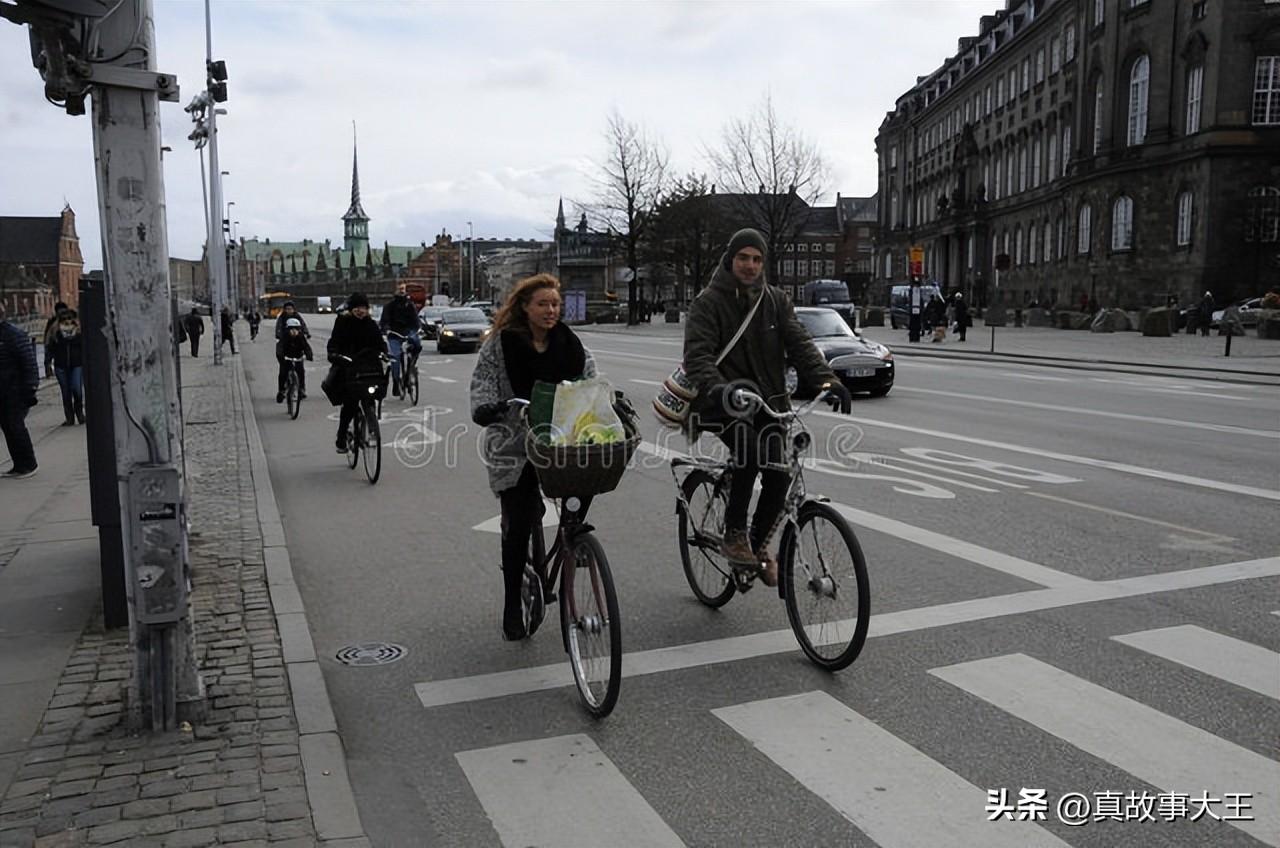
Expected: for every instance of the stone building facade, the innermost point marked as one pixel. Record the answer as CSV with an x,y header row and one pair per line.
x,y
40,259
832,243
1116,150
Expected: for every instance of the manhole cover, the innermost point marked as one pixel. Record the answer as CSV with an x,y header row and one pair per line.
x,y
371,653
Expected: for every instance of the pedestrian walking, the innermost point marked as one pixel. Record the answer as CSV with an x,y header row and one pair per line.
x,y
915,310
19,379
50,330
193,326
68,360
961,312
228,332
255,320
936,318
1204,313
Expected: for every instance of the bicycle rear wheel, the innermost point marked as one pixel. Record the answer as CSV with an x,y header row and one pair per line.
x,y
355,435
701,527
827,593
293,396
372,444
591,626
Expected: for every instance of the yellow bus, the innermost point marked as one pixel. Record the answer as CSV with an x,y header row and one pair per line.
x,y
273,303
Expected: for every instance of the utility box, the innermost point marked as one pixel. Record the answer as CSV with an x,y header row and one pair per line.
x,y
155,538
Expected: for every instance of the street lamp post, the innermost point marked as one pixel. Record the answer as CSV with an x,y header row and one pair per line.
x,y
471,265
233,272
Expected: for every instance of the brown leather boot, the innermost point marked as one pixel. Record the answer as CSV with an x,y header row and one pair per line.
x,y
736,548
768,567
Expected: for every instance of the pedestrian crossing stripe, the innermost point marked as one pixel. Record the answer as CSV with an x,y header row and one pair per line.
x,y
1146,743
873,778
1235,661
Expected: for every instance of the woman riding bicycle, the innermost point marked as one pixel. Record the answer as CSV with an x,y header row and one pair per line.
x,y
356,339
773,339
528,343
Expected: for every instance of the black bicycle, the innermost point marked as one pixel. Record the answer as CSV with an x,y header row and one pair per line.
x,y
363,434
293,386
408,362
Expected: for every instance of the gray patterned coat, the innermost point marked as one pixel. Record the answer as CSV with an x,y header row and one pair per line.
x,y
502,445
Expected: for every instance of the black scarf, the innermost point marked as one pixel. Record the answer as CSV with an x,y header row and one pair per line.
x,y
564,358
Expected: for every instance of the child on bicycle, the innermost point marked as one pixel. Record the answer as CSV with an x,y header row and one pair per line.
x,y
355,339
529,342
774,337
294,345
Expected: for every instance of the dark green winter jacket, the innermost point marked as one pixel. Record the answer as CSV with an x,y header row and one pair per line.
x,y
774,340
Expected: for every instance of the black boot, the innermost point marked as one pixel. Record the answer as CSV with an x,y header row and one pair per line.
x,y
513,629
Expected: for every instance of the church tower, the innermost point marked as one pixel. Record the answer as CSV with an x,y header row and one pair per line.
x,y
355,224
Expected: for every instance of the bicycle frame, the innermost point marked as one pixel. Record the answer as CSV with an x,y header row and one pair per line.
x,y
550,562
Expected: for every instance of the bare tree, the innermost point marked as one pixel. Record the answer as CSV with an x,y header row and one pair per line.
x,y
774,174
688,232
630,183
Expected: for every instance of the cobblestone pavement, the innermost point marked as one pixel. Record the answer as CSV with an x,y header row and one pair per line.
x,y
236,777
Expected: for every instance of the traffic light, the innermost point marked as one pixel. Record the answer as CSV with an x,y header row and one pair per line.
x,y
218,80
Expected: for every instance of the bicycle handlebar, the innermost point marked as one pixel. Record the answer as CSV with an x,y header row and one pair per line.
x,y
745,398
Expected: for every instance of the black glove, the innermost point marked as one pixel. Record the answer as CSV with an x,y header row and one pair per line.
x,y
838,397
30,400
489,413
723,402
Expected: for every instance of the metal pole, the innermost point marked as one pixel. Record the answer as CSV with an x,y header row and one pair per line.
x,y
997,295
233,289
217,245
144,387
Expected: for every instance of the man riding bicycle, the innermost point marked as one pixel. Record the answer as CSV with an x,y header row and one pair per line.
x,y
289,310
294,346
400,317
773,339
355,338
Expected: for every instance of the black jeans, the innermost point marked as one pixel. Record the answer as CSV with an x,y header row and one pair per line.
x,y
284,375
195,345
344,417
13,423
521,512
757,447
913,328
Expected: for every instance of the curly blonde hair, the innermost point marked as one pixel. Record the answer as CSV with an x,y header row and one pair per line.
x,y
512,315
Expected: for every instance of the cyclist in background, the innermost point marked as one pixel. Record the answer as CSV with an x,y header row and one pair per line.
x,y
295,346
529,343
355,338
400,316
773,339
289,310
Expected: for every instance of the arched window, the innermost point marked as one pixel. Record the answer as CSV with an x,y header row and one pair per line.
x,y
1195,89
1139,82
1122,223
1097,115
1184,218
1083,228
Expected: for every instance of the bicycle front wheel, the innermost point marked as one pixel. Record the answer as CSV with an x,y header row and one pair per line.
x,y
827,593
355,435
701,527
591,626
372,445
292,395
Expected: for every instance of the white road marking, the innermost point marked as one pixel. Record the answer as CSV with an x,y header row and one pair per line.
x,y
1217,537
1168,391
1097,413
873,778
626,354
442,379
550,518
673,658
1151,746
1035,377
1252,491
648,382
564,792
1233,660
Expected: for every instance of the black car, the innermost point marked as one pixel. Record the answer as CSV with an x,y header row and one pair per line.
x,y
861,364
462,328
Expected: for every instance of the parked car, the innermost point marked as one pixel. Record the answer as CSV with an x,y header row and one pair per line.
x,y
899,304
429,318
484,306
861,364
1248,312
462,328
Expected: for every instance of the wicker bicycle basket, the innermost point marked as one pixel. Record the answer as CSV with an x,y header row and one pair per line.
x,y
584,470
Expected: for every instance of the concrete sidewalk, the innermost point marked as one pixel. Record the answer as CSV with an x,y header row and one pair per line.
x,y
1195,357
265,766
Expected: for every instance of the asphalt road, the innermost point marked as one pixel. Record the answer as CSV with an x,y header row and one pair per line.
x,y
1076,588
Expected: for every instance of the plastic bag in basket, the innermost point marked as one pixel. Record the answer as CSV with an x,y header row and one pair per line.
x,y
583,414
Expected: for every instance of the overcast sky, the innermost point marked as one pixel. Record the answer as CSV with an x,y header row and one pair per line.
x,y
480,111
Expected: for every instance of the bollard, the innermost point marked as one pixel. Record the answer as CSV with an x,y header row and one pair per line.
x,y
1017,317
1229,335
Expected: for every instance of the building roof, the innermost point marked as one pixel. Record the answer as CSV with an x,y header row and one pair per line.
x,y
262,251
860,209
820,220
31,241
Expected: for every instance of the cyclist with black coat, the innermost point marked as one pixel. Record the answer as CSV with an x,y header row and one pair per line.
x,y
356,340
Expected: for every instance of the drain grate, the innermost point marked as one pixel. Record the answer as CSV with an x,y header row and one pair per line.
x,y
371,653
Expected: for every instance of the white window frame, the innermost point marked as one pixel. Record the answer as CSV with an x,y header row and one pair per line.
x,y
1266,91
1022,167
1026,75
830,247
1195,92
888,265
1000,90
1122,223
815,247
1039,66
1013,83
1033,243
1084,229
802,267
995,186
1099,12
1186,207
829,265
1055,55
986,101
1139,90
986,179
1268,221
1069,44
788,267
1036,150
1052,170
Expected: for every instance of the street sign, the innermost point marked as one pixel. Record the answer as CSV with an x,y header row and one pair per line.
x,y
917,260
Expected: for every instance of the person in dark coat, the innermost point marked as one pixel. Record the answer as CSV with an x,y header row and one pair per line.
x,y
68,359
254,317
51,330
228,332
1204,313
193,326
289,310
355,339
19,379
961,311
295,346
935,318
400,316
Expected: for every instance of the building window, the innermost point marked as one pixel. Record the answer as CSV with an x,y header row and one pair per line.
x,y
1033,244
1062,237
1055,55
1052,171
1097,116
1048,241
1026,75
1083,227
995,186
888,265
968,111
1070,41
986,179
830,247
788,267
1184,218
1099,11
815,248
1017,247
1263,222
1035,163
1040,66
1000,90
1266,91
1008,174
802,267
1195,88
1066,148
1139,80
1122,223
893,157
986,101
1006,241
829,266
995,248
1013,84
1022,167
